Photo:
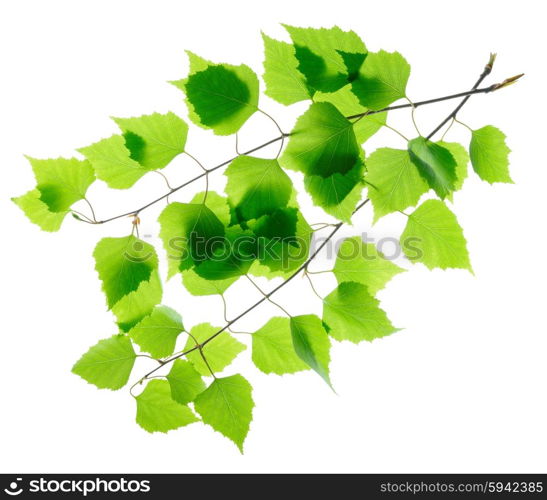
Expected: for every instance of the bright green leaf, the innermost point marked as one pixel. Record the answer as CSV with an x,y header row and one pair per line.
x,y
435,164
154,140
394,182
284,83
273,350
433,236
461,158
382,79
136,305
337,194
219,353
62,181
353,314
156,410
362,263
347,103
185,382
227,406
38,212
220,96
123,263
157,333
215,202
319,54
311,343
490,155
112,162
322,143
197,285
257,187
107,364
185,230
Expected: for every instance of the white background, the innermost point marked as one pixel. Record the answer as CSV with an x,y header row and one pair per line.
x,y
460,389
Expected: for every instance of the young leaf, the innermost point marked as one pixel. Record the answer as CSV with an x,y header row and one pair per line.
x,y
221,97
362,263
337,194
157,333
284,251
186,229
38,212
112,162
461,158
435,164
62,182
156,410
219,353
433,236
197,285
107,364
311,343
154,140
215,202
322,143
185,382
319,54
122,264
257,187
284,83
273,350
382,79
347,103
134,306
353,314
490,155
227,406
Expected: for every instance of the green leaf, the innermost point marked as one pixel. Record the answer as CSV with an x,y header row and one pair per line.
x,y
395,183
219,353
227,406
111,159
186,229
273,350
433,236
281,258
62,182
353,314
107,364
461,158
122,264
284,83
185,382
215,202
322,143
311,343
156,410
319,54
257,187
197,285
382,79
220,96
362,263
157,333
154,140
490,155
38,212
435,164
228,257
337,194
347,103
136,305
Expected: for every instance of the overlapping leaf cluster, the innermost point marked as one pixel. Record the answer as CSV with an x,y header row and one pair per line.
x,y
256,226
